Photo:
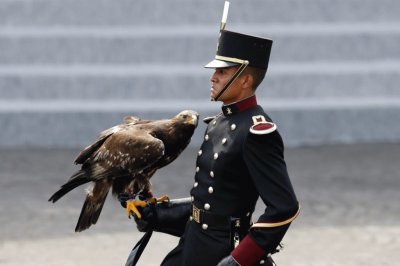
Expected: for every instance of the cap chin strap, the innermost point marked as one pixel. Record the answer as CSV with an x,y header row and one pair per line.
x,y
244,64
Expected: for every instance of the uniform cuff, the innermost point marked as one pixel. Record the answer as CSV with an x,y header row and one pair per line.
x,y
248,252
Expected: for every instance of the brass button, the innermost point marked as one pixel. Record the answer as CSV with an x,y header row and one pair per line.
x,y
200,152
207,206
211,173
197,169
204,226
216,156
233,127
223,140
210,190
195,184
206,137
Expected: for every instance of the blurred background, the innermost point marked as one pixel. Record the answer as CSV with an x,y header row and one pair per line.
x,y
69,69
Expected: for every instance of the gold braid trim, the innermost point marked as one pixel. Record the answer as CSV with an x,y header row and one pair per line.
x,y
270,225
231,59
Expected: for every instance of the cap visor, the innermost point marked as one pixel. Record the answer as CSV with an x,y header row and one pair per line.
x,y
219,64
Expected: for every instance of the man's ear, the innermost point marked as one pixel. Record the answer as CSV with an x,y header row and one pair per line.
x,y
247,81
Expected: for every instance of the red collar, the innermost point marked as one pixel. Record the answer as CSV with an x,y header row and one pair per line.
x,y
240,106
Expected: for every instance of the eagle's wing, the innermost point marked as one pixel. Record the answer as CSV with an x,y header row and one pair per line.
x,y
127,122
125,151
130,119
132,150
89,150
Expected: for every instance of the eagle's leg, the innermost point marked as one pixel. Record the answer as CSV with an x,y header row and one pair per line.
x,y
150,198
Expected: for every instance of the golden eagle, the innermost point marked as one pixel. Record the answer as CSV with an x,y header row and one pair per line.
x,y
124,157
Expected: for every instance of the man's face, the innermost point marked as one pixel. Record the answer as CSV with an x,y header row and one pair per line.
x,y
219,79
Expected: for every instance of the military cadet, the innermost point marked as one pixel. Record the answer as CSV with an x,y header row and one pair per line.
x,y
241,159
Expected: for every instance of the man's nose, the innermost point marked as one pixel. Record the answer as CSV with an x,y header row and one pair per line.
x,y
213,77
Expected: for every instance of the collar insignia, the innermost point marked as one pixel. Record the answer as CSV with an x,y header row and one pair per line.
x,y
240,106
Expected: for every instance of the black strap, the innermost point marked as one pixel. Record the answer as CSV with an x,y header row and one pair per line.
x,y
139,248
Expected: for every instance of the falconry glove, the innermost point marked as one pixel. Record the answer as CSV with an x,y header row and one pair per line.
x,y
171,217
166,217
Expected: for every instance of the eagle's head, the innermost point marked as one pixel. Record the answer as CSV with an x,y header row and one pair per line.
x,y
188,117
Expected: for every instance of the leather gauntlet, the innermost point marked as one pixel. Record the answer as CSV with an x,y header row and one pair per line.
x,y
165,217
172,216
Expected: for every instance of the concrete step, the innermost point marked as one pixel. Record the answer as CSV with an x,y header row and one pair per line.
x,y
318,80
335,42
181,12
76,124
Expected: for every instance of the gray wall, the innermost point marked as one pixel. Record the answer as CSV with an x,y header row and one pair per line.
x,y
70,68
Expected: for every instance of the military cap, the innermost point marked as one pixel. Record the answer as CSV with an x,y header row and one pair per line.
x,y
237,48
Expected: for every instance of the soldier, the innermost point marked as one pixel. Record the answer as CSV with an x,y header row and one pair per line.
x,y
240,160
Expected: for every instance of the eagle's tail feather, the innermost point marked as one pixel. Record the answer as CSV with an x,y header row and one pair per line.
x,y
90,212
76,180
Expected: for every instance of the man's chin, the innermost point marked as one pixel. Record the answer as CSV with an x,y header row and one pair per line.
x,y
213,94
212,97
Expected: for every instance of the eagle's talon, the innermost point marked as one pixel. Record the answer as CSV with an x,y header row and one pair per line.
x,y
162,198
131,206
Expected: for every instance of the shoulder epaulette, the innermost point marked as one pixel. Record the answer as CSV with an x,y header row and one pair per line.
x,y
261,126
208,119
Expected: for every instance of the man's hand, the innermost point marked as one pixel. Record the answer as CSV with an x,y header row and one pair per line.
x,y
228,261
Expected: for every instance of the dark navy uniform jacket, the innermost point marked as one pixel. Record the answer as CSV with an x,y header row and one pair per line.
x,y
241,160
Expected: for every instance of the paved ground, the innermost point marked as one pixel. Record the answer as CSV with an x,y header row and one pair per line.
x,y
349,195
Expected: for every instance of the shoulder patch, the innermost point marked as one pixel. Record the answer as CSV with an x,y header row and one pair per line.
x,y
261,126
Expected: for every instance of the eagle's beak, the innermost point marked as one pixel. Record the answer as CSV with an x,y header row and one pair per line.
x,y
194,120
